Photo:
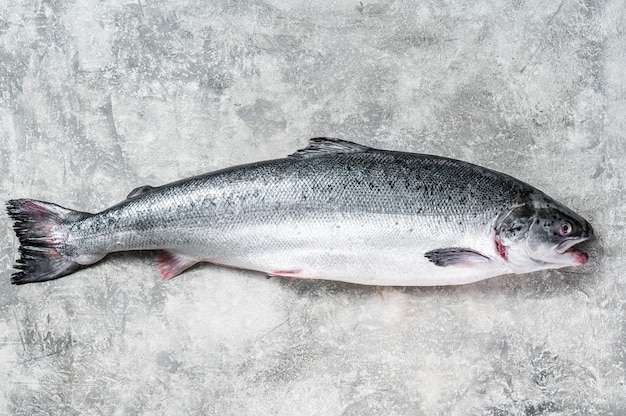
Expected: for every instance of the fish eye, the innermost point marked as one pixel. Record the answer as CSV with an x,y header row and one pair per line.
x,y
565,229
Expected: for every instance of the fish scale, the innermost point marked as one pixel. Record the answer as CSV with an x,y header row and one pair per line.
x,y
334,210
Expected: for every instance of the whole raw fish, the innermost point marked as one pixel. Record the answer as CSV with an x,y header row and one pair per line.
x,y
335,210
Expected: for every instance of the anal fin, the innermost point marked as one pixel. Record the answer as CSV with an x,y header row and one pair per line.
x,y
455,256
172,264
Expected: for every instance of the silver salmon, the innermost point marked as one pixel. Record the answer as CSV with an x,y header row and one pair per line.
x,y
334,210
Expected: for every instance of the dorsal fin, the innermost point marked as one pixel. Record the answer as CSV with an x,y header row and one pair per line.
x,y
319,146
139,191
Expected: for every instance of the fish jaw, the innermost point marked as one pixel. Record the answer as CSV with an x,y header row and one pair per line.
x,y
572,255
555,257
578,257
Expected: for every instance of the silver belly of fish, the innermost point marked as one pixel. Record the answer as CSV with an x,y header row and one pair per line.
x,y
335,210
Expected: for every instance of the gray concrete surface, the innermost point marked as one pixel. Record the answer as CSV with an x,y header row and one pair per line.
x,y
97,98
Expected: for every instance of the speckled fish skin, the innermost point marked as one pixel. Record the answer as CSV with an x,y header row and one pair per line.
x,y
335,210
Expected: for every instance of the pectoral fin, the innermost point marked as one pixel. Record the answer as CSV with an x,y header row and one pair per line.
x,y
455,256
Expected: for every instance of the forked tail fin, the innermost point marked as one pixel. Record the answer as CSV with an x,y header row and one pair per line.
x,y
41,228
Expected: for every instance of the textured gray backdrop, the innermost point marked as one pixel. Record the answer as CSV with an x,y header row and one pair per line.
x,y
98,97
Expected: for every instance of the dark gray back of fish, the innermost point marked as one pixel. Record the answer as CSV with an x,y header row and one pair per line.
x,y
298,188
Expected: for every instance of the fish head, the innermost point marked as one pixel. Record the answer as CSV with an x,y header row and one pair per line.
x,y
541,234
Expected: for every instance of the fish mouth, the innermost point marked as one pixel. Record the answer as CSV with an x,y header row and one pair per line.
x,y
580,257
567,245
567,248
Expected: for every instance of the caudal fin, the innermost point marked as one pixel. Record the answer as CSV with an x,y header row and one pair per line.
x,y
41,228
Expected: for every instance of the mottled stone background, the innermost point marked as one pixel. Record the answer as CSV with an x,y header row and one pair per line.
x,y
98,97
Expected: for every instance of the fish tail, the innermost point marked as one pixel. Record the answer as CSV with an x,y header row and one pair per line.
x,y
42,229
